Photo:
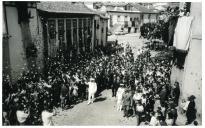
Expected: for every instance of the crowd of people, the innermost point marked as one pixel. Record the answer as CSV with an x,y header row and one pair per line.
x,y
141,86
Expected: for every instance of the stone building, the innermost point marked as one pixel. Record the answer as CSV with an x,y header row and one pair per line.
x,y
33,31
72,27
22,38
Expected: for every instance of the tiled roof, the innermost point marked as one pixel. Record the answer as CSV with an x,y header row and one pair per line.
x,y
118,4
136,8
101,14
64,7
142,8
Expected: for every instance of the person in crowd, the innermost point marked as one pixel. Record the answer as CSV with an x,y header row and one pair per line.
x,y
139,90
191,110
175,115
22,115
184,105
120,92
127,102
91,90
162,122
64,95
83,89
144,100
137,24
153,121
139,112
129,26
176,93
138,95
170,119
157,102
163,94
47,115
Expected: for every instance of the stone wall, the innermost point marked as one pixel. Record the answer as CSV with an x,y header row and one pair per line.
x,y
17,57
37,36
16,51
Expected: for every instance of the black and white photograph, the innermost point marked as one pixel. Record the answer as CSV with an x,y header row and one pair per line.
x,y
101,63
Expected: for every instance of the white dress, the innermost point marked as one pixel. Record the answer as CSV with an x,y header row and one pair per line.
x,y
47,118
21,116
137,96
92,87
153,121
120,92
169,122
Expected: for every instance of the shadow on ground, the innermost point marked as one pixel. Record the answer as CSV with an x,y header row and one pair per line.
x,y
100,99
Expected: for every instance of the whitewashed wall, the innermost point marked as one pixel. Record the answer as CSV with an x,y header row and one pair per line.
x,y
17,54
190,78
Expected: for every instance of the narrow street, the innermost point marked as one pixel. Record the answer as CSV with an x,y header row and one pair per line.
x,y
132,39
57,54
103,111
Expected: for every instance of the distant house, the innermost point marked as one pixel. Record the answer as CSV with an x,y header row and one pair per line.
x,y
122,13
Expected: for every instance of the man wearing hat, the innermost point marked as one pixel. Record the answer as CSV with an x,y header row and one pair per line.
x,y
92,88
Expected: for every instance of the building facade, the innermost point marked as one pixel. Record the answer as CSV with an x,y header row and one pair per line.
x,y
22,30
41,29
127,13
190,78
71,27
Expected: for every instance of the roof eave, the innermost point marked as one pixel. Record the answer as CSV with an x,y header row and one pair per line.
x,y
133,12
49,11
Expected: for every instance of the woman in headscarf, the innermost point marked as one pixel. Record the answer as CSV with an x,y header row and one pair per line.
x,y
191,111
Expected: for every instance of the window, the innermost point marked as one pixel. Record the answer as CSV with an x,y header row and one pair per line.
x,y
89,37
61,34
75,33
118,18
52,29
80,27
125,18
128,7
61,29
111,24
85,31
72,33
68,34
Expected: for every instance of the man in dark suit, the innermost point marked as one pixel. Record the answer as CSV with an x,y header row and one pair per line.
x,y
176,93
115,85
